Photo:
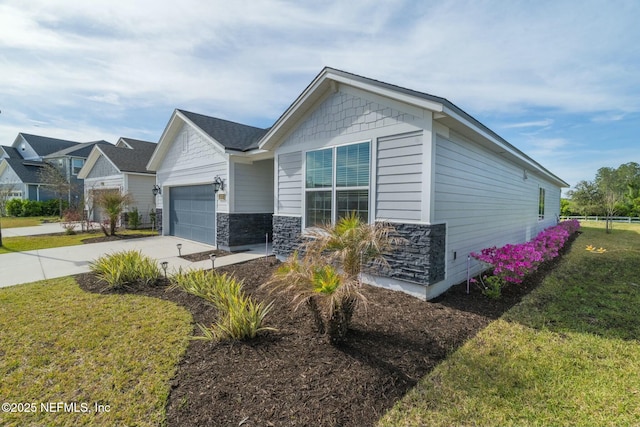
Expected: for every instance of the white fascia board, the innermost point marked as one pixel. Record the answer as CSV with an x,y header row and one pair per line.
x,y
503,146
163,146
389,93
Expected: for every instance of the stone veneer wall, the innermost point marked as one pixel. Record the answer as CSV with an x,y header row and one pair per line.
x,y
159,220
421,260
240,229
286,234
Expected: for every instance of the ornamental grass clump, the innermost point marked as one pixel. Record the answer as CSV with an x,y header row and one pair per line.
x,y
240,317
124,268
512,263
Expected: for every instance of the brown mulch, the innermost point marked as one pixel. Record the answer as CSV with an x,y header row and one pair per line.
x,y
293,377
204,256
117,237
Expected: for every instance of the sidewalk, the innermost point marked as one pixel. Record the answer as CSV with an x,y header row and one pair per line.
x,y
30,266
49,228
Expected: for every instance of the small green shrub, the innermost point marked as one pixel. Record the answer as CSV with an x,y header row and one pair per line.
x,y
125,268
492,287
239,316
15,207
32,208
134,219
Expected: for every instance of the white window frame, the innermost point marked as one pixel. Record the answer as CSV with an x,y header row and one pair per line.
x,y
541,203
334,189
73,168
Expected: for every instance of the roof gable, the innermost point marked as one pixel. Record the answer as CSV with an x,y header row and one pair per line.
x,y
10,152
28,172
223,134
329,81
122,158
231,135
43,145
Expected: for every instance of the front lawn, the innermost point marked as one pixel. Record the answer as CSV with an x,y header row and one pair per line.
x,y
566,355
13,222
46,241
60,344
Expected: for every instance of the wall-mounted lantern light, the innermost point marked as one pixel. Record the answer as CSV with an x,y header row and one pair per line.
x,y
218,184
156,190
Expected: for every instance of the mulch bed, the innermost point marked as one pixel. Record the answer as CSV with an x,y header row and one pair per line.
x,y
293,377
204,256
115,238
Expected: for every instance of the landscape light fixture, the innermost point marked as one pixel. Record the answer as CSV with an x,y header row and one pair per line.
x,y
179,246
218,184
164,265
212,257
156,190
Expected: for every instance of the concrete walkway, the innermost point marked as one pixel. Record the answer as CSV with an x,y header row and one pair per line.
x,y
29,266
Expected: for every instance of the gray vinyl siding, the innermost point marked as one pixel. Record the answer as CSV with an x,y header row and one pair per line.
x,y
399,178
140,187
102,167
289,198
193,163
253,187
485,201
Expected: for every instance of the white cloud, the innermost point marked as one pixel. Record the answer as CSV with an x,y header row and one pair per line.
x,y
537,123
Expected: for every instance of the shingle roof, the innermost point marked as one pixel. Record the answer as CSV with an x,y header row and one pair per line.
x,y
27,171
130,160
79,150
234,136
44,145
11,152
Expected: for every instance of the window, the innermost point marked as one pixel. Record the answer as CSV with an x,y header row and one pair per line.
x,y
541,204
337,183
76,165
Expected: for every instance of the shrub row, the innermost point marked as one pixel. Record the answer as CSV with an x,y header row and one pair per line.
x,y
511,263
23,208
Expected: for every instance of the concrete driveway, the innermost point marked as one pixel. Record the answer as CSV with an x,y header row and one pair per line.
x,y
29,266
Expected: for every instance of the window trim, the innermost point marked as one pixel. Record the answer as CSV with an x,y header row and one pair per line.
x,y
334,189
541,203
73,168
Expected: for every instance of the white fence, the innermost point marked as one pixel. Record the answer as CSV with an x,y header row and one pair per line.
x,y
603,218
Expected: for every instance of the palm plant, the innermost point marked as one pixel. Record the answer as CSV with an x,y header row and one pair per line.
x,y
327,278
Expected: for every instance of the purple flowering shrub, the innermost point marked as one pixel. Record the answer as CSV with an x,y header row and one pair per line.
x,y
511,263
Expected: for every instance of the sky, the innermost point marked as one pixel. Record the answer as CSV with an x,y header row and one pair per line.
x,y
560,80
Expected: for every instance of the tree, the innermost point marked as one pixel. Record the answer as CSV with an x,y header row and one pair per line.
x,y
327,277
56,181
613,191
113,202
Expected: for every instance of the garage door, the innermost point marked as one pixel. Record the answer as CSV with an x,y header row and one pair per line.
x,y
192,213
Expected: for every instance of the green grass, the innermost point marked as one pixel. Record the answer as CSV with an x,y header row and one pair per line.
x,y
60,344
30,243
568,354
13,222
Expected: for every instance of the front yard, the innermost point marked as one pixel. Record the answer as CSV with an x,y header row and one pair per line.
x,y
566,355
46,241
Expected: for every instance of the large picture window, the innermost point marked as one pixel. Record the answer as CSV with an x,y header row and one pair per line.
x,y
337,183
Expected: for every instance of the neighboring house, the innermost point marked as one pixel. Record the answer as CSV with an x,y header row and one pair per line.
x,y
195,151
121,167
21,163
446,182
70,161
